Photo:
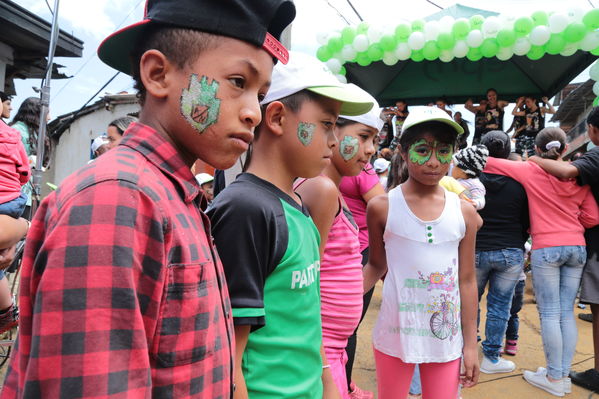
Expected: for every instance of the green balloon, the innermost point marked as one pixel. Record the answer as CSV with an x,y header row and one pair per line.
x,y
362,27
348,34
417,56
556,44
363,59
375,52
476,22
323,54
431,50
402,32
342,71
595,52
591,19
474,54
506,38
460,29
575,32
489,48
523,26
536,53
335,44
540,18
388,43
418,25
596,101
445,41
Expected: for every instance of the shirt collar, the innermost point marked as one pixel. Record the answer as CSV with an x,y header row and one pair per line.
x,y
165,156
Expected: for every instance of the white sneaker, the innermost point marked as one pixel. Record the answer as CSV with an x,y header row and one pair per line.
x,y
501,366
567,380
539,379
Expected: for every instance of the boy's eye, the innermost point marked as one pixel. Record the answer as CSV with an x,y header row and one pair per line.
x,y
238,82
422,150
261,97
327,124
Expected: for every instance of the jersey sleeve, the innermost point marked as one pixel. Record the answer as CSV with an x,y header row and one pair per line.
x,y
249,238
588,168
366,180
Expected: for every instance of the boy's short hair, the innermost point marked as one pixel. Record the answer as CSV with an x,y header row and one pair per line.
x,y
593,117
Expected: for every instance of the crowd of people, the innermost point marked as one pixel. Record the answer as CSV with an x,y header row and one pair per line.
x,y
137,282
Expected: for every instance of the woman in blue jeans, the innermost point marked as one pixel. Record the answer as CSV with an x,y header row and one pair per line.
x,y
559,212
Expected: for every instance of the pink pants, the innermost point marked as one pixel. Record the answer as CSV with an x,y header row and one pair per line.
x,y
337,359
439,380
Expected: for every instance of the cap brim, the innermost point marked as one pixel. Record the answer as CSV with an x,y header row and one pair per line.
x,y
352,102
115,50
459,130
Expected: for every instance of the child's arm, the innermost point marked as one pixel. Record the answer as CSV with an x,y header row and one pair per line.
x,y
12,230
376,216
518,171
559,169
470,106
478,193
469,296
321,197
547,107
242,333
589,212
23,164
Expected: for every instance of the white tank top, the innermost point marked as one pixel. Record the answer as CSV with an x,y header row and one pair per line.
x,y
419,320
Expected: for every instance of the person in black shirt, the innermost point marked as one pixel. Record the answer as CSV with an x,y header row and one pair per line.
x,y
586,171
500,251
464,124
535,122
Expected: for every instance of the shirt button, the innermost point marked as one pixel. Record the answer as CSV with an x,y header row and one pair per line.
x,y
429,227
430,240
430,234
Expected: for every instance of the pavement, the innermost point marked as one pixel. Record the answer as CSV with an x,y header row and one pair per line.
x,y
492,386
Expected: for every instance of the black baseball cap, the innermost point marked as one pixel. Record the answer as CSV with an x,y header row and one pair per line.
x,y
259,22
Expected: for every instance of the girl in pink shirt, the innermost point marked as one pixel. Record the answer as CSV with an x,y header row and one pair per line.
x,y
341,283
559,213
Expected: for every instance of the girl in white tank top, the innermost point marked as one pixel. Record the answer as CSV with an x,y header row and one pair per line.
x,y
423,237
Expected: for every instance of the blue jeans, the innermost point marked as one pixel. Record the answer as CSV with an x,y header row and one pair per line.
x,y
14,208
556,273
513,325
415,385
501,269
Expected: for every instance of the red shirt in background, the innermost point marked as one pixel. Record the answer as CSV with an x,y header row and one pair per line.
x,y
14,164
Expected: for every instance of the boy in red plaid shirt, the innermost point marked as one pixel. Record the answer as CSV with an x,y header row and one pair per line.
x,y
122,293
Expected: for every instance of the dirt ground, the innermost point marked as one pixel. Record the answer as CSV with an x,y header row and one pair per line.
x,y
495,386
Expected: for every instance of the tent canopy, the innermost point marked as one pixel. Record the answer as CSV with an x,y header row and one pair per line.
x,y
422,82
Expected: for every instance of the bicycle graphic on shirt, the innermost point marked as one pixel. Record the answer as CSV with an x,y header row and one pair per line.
x,y
444,322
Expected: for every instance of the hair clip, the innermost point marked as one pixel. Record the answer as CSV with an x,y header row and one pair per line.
x,y
553,144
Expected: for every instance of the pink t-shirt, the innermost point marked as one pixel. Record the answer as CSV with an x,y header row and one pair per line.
x,y
353,189
559,210
14,164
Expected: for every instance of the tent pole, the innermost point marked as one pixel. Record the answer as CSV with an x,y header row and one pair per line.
x,y
45,104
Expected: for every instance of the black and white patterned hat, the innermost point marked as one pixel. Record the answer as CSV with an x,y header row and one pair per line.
x,y
471,160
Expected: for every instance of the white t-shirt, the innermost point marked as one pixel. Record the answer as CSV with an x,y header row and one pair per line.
x,y
419,320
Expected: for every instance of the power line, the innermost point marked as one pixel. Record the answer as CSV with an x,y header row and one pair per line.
x,y
354,8
591,4
338,12
436,5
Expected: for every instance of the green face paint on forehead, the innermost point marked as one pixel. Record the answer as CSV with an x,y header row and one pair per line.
x,y
421,151
199,105
305,132
349,147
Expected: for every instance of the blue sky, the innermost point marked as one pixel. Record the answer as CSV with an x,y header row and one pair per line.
x,y
91,21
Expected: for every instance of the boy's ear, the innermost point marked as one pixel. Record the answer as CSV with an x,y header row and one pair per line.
x,y
275,117
154,69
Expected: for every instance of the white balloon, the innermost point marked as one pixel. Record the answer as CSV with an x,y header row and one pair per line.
x,y
521,46
460,50
389,58
575,14
540,35
504,53
360,43
569,49
446,55
474,38
506,21
416,40
596,88
341,78
348,53
590,41
403,52
334,65
374,34
322,38
557,22
594,71
446,24
491,26
431,30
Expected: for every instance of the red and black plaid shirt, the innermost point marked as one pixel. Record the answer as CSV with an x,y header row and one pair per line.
x,y
122,293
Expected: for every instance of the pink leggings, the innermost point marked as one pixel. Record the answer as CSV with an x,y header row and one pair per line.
x,y
337,359
439,380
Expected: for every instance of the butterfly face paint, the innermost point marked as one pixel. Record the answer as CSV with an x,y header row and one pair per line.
x,y
349,147
199,105
421,151
305,132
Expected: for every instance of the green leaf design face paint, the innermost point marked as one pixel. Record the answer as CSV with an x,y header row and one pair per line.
x,y
305,132
421,151
199,105
349,147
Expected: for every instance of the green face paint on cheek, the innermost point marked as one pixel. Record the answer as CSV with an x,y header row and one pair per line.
x,y
199,105
444,152
305,132
349,147
417,153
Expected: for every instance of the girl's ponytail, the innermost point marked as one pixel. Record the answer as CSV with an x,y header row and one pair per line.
x,y
551,142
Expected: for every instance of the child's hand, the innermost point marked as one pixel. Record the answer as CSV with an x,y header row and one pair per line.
x,y
469,377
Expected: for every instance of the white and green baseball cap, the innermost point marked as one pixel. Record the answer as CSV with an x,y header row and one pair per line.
x,y
305,72
429,114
